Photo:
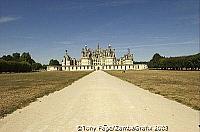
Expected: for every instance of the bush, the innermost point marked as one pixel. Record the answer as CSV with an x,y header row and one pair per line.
x,y
36,66
13,66
175,63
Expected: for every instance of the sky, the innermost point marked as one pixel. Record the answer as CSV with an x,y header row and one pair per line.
x,y
46,28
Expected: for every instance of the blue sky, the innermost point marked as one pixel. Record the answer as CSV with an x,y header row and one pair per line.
x,y
45,28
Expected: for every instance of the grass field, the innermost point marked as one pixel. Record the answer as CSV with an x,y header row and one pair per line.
x,y
182,86
18,90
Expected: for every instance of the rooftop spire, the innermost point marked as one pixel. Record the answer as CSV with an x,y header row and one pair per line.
x,y
109,45
98,46
66,52
129,51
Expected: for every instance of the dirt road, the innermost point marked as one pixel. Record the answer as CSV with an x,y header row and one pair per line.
x,y
101,99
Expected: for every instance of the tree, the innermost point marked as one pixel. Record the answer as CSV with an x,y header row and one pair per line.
x,y
3,57
191,62
13,66
36,66
44,67
7,58
155,61
17,63
16,56
54,62
156,57
32,61
26,57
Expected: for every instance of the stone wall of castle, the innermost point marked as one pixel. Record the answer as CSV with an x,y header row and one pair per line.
x,y
98,59
92,68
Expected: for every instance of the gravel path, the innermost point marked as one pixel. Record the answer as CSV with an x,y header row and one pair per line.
x,y
101,99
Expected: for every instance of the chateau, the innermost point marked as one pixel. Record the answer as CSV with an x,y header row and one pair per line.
x,y
98,59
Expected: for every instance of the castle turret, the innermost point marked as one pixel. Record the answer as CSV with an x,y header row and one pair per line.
x,y
86,56
128,58
66,60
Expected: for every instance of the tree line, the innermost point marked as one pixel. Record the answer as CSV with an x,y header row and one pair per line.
x,y
191,62
19,63
53,62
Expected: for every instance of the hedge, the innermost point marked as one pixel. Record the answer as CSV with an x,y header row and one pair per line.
x,y
13,66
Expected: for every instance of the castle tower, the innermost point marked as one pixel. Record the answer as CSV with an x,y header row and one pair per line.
x,y
128,58
98,46
85,56
66,60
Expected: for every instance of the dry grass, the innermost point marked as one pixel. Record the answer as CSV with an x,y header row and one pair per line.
x,y
182,86
18,90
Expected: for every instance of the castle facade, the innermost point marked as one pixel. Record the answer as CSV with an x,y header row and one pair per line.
x,y
98,59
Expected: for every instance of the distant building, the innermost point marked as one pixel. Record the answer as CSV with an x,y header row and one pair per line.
x,y
98,59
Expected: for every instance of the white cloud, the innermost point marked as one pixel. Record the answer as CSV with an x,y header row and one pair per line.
x,y
100,4
5,19
191,19
159,37
65,42
119,3
23,37
155,45
114,3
